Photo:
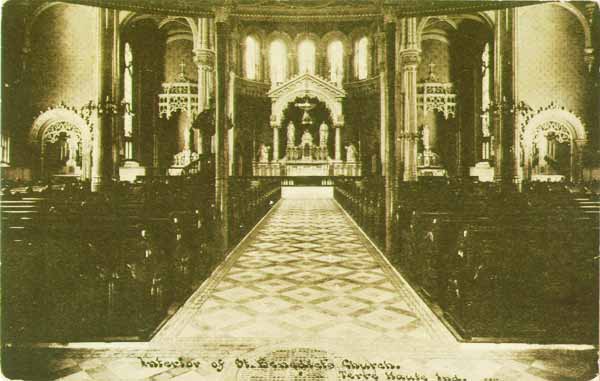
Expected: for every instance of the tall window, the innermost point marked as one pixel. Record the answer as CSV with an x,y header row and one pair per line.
x,y
128,97
485,103
5,148
361,58
306,57
335,57
278,61
252,57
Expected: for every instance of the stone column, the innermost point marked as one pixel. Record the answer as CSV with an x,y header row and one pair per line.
x,y
409,58
517,171
503,96
275,143
383,99
101,151
338,143
221,156
204,57
387,66
117,124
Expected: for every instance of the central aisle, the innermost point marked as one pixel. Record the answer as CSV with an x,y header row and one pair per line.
x,y
306,287
306,271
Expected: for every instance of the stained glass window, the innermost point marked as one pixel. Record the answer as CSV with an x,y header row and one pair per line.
x,y
335,56
361,58
306,57
278,61
252,57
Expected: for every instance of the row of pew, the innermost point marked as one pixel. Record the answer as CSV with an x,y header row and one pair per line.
x,y
83,266
500,264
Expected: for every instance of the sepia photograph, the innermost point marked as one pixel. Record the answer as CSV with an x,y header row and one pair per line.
x,y
302,190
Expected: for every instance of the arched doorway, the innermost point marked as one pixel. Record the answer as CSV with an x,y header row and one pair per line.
x,y
62,140
61,149
552,141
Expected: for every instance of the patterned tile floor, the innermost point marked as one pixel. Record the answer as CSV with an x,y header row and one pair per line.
x,y
306,272
307,287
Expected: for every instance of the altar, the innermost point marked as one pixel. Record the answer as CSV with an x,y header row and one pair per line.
x,y
308,109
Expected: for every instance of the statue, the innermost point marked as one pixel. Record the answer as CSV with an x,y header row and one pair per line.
x,y
307,138
350,153
263,154
323,134
291,134
426,137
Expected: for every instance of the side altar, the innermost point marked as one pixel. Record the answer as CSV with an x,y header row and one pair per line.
x,y
313,155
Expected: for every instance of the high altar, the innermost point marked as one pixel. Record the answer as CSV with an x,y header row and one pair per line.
x,y
312,156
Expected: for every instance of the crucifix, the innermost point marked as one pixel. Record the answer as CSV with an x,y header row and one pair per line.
x,y
181,72
432,77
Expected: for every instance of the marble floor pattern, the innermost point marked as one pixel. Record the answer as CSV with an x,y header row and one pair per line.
x,y
306,272
307,285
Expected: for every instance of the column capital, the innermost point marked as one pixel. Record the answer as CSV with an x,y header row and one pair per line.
x,y
204,57
410,57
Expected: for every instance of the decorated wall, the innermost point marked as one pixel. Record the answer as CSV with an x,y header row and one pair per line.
x,y
550,65
64,60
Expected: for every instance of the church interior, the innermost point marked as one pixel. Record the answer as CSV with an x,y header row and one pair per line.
x,y
300,190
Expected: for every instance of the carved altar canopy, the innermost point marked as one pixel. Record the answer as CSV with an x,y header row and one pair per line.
x,y
306,85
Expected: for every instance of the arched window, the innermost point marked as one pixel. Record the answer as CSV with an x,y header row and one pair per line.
x,y
485,103
128,98
252,58
278,61
306,57
335,57
361,58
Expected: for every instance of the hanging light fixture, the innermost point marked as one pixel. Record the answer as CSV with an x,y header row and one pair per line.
x,y
306,106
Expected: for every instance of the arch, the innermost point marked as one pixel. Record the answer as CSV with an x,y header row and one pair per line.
x,y
132,17
189,22
307,36
41,9
33,18
552,118
303,86
332,36
357,33
252,30
279,35
56,115
581,18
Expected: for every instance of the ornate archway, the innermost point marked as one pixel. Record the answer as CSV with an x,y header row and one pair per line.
x,y
308,158
68,130
553,127
302,86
